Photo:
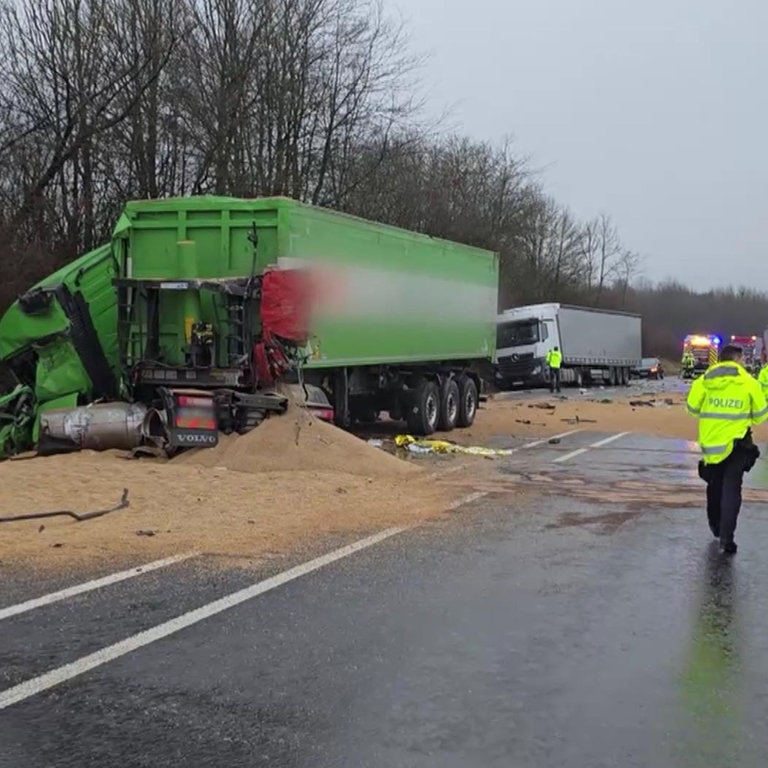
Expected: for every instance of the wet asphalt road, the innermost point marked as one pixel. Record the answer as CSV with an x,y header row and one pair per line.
x,y
570,617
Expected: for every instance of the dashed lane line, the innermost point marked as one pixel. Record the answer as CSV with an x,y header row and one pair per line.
x,y
598,444
89,586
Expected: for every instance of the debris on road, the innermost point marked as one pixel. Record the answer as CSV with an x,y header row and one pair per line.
x,y
122,504
577,420
506,415
415,445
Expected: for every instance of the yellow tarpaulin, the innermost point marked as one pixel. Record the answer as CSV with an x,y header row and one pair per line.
x,y
443,446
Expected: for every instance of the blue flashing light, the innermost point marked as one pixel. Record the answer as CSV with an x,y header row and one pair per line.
x,y
717,340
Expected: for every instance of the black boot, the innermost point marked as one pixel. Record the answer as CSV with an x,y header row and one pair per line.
x,y
728,546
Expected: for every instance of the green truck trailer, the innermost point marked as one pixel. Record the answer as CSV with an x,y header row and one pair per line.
x,y
202,308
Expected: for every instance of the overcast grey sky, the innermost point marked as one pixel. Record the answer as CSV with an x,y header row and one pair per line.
x,y
651,110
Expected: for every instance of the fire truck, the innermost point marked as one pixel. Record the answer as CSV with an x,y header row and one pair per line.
x,y
751,348
703,350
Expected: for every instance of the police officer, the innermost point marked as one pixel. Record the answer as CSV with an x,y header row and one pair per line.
x,y
554,361
727,402
762,377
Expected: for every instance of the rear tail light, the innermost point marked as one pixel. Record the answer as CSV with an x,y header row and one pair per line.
x,y
186,400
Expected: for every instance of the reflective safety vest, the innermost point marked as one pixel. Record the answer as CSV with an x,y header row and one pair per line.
x,y
554,358
762,377
727,401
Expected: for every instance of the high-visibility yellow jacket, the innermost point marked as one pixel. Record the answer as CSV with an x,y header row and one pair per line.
x,y
727,401
762,377
554,358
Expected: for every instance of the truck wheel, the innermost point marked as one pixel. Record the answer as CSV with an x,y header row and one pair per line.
x,y
625,377
425,409
449,406
612,376
579,380
467,402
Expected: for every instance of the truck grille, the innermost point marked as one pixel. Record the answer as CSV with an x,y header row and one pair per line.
x,y
515,365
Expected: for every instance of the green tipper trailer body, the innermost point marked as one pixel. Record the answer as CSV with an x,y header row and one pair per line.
x,y
395,321
392,296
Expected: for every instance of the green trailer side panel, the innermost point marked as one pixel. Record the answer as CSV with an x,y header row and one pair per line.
x,y
389,295
393,295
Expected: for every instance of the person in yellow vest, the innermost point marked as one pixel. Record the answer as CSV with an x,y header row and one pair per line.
x,y
727,402
555,362
762,377
688,362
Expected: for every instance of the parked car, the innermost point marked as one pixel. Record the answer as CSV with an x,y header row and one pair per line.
x,y
649,368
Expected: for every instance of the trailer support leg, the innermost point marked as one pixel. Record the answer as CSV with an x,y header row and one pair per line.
x,y
341,398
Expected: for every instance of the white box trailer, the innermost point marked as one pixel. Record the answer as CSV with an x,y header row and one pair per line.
x,y
598,345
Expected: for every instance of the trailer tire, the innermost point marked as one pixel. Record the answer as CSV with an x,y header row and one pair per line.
x,y
612,376
424,412
467,402
579,378
449,406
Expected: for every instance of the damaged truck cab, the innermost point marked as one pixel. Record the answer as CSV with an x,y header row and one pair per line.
x,y
58,347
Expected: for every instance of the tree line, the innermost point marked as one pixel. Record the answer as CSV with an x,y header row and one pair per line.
x,y
109,100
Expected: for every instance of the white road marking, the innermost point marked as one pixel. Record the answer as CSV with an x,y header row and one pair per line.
x,y
89,586
598,444
547,439
467,500
60,675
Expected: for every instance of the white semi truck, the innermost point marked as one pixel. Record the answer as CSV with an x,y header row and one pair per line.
x,y
599,346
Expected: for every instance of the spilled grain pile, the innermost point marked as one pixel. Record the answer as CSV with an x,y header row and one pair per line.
x,y
288,483
296,442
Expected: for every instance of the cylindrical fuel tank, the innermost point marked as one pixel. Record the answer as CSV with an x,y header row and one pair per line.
x,y
98,427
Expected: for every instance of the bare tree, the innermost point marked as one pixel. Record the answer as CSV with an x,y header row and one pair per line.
x,y
65,88
626,270
609,250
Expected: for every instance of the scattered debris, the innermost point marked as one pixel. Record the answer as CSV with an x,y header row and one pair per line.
x,y
543,406
554,441
145,533
414,445
122,504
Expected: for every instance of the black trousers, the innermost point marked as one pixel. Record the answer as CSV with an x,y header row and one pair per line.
x,y
724,483
554,379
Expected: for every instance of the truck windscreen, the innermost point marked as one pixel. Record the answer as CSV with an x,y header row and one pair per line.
x,y
517,333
